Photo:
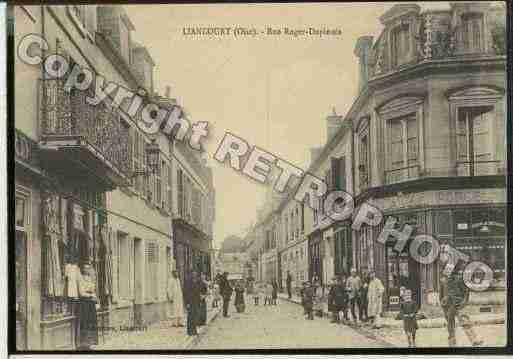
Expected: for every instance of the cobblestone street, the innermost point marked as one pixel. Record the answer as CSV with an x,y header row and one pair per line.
x,y
281,326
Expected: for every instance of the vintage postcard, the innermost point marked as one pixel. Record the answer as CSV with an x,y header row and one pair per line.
x,y
242,176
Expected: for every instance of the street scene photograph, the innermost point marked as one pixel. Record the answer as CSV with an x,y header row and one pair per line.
x,y
243,176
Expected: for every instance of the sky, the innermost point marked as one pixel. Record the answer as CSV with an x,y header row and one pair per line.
x,y
275,92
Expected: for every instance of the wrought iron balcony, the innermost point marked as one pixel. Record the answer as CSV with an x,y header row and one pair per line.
x,y
78,139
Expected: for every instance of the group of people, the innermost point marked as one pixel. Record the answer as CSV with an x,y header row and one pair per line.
x,y
193,298
268,291
345,294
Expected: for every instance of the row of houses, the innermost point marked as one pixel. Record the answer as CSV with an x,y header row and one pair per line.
x,y
91,187
424,141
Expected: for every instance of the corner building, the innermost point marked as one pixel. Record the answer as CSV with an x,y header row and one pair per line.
x,y
429,142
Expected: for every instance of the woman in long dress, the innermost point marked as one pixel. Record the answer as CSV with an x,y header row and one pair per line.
x,y
239,298
175,298
375,299
87,310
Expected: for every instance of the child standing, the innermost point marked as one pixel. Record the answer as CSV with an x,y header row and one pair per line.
x,y
268,294
256,293
408,312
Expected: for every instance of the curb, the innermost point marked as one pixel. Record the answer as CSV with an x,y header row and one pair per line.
x,y
192,341
423,324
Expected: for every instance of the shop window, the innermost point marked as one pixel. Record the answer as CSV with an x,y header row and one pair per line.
x,y
480,233
400,44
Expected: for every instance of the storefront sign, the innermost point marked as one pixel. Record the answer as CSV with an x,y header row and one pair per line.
x,y
470,196
436,198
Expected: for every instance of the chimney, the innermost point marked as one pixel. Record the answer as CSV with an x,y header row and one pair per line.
x,y
113,23
142,65
362,51
333,123
168,91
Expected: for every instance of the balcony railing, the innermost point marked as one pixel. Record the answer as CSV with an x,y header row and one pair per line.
x,y
69,122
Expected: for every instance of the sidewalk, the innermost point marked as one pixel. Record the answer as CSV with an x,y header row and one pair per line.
x,y
480,319
158,336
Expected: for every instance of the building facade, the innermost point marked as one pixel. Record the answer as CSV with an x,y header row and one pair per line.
x,y
429,141
194,211
87,190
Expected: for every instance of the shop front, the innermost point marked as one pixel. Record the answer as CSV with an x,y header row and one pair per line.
x,y
191,250
472,221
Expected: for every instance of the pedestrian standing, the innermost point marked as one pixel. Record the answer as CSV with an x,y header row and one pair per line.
x,y
332,308
226,292
193,302
339,298
364,303
175,298
87,308
289,285
275,293
353,285
256,293
268,294
202,318
454,295
240,305
375,299
302,295
318,299
408,313
308,295
216,294
345,298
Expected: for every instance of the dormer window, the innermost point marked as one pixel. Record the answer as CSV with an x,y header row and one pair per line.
x,y
400,44
472,32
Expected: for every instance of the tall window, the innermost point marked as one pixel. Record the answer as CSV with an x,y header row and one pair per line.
x,y
286,228
400,44
22,227
181,193
152,265
123,257
158,184
403,148
169,188
474,140
363,161
138,155
472,32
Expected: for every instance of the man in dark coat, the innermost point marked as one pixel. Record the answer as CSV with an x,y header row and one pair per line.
x,y
289,285
193,302
226,292
308,295
454,295
339,299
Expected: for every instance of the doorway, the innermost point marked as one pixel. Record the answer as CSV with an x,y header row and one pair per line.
x,y
402,271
